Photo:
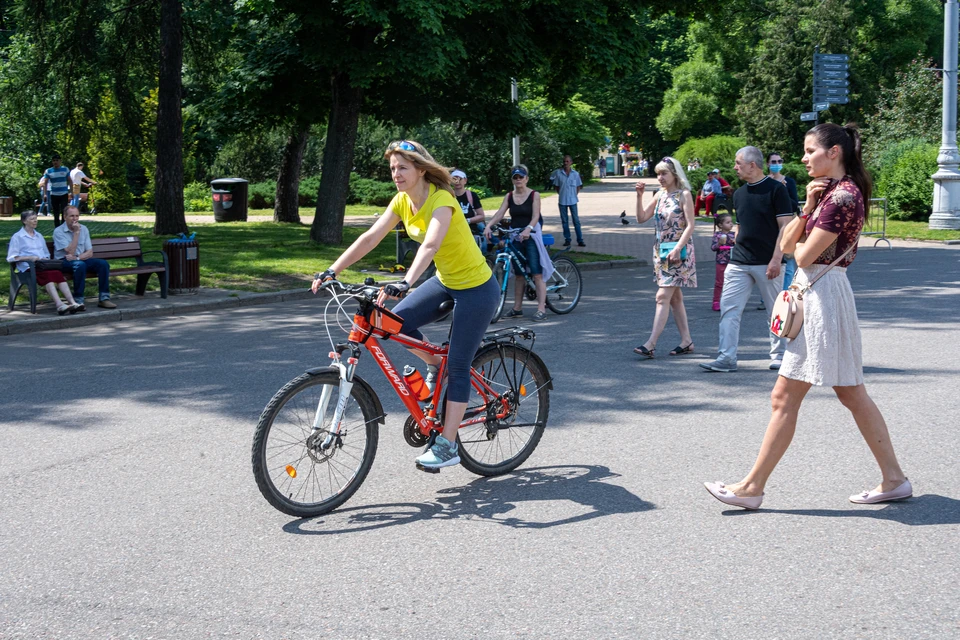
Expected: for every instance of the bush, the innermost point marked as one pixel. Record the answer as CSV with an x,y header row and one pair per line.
x,y
262,194
197,197
697,177
908,187
18,178
714,152
482,192
370,192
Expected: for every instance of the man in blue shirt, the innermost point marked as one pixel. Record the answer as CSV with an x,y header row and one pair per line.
x,y
711,188
58,179
567,182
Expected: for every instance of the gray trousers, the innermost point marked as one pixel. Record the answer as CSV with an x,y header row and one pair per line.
x,y
738,281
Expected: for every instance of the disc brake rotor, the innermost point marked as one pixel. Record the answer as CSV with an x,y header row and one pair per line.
x,y
314,441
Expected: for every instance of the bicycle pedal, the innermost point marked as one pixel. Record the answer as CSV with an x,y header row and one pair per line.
x,y
428,469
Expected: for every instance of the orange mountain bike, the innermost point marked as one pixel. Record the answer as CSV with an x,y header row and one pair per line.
x,y
317,437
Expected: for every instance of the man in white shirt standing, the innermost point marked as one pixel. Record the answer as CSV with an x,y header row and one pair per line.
x,y
79,179
71,243
567,182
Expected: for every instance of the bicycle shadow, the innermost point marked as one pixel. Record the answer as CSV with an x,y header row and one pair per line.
x,y
925,510
492,499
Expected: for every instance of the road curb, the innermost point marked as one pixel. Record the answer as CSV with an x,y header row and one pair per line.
x,y
182,307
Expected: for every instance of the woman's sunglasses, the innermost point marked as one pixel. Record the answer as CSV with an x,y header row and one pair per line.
x,y
402,144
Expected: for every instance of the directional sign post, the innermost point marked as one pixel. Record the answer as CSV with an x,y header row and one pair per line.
x,y
830,80
809,115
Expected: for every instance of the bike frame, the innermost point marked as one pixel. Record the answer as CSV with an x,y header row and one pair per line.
x,y
366,334
510,256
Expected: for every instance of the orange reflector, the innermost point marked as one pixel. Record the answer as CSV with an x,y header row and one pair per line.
x,y
523,390
291,471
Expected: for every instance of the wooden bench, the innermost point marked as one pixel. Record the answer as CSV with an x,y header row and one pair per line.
x,y
105,249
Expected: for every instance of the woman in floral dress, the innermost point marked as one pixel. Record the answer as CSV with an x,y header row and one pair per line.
x,y
673,212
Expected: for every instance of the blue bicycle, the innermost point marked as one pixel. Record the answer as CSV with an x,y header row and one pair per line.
x,y
563,288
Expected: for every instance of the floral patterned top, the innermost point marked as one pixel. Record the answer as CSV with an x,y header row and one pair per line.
x,y
723,250
841,211
670,223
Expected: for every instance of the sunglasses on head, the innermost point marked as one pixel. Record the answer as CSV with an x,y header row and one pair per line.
x,y
402,144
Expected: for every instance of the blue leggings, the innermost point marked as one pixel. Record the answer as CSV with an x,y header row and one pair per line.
x,y
472,311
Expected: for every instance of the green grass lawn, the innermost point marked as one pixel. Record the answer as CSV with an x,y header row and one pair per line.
x,y
247,256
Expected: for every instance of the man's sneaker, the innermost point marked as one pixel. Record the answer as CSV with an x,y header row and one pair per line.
x,y
774,365
106,304
719,365
443,453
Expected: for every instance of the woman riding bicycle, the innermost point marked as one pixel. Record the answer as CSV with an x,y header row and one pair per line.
x,y
524,207
425,204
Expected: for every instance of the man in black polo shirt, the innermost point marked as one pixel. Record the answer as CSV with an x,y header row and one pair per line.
x,y
763,209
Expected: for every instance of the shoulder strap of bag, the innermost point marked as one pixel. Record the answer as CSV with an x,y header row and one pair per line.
x,y
833,264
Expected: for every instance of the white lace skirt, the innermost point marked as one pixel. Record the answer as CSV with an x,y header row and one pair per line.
x,y
828,351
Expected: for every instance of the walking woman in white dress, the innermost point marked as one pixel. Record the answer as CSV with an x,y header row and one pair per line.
x,y
827,351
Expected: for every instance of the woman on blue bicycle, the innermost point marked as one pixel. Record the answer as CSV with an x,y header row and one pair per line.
x,y
524,207
425,204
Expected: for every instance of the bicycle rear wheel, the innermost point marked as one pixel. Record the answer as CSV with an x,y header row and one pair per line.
x,y
293,472
500,445
564,286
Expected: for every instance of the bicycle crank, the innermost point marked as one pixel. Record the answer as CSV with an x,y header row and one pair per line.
x,y
411,433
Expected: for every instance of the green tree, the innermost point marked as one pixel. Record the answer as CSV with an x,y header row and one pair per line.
x,y
628,99
109,152
912,108
691,105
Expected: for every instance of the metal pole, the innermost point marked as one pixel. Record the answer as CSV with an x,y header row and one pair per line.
x,y
946,189
514,96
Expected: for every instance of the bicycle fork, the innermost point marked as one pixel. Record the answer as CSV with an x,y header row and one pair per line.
x,y
346,386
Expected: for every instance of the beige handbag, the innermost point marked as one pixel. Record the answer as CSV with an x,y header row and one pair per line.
x,y
786,319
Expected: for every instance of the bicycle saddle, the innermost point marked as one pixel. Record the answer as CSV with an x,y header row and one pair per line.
x,y
446,306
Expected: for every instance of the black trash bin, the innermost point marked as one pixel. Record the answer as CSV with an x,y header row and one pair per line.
x,y
183,263
229,199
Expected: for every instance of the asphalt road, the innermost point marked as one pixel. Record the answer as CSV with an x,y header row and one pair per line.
x,y
128,507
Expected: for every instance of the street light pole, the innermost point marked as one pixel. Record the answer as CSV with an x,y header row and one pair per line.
x,y
946,189
514,96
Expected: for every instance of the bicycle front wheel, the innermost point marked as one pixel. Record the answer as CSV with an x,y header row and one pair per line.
x,y
502,443
292,469
564,287
499,273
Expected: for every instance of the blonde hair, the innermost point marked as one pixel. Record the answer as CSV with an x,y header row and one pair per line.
x,y
671,165
421,159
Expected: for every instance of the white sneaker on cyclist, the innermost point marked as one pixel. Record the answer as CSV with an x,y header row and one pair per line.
x,y
431,378
443,453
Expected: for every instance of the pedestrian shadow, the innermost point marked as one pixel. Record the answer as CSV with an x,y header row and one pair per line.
x,y
496,500
925,510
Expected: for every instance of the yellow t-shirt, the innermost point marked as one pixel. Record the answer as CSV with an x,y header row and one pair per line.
x,y
460,265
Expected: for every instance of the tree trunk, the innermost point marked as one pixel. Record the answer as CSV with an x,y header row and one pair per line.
x,y
169,177
327,225
287,200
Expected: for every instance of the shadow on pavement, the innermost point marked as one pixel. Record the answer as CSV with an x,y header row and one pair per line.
x,y
930,509
491,499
